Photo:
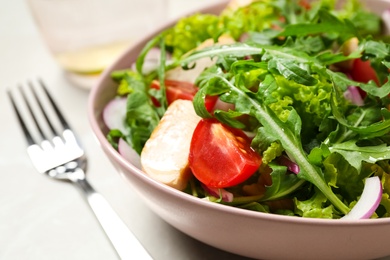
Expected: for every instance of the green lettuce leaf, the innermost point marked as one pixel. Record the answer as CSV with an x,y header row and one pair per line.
x,y
346,180
189,32
314,207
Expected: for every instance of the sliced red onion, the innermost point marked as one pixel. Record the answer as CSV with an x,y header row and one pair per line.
x,y
353,95
369,200
114,114
216,192
386,21
291,166
129,153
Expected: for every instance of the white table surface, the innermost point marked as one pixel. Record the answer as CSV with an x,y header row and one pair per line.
x,y
45,219
42,218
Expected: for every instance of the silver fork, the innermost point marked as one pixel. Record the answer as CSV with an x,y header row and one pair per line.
x,y
60,155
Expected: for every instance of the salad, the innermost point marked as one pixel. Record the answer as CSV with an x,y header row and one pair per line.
x,y
273,106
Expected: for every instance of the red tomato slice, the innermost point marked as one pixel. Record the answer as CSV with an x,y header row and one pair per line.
x,y
221,156
182,90
363,72
305,4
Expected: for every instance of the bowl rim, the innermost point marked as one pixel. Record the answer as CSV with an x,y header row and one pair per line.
x,y
107,147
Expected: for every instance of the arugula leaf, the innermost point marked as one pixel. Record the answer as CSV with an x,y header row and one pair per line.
x,y
328,24
266,89
128,81
162,97
282,183
141,57
378,53
375,129
141,116
355,154
291,71
329,58
379,50
113,137
370,88
229,118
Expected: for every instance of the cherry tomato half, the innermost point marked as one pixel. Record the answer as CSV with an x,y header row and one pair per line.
x,y
182,90
221,156
305,4
363,72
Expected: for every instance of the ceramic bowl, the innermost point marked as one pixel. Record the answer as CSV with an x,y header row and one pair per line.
x,y
243,232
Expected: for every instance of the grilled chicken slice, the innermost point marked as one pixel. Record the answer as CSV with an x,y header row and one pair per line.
x,y
165,155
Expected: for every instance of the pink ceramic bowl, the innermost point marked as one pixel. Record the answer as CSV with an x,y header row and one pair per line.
x,y
243,232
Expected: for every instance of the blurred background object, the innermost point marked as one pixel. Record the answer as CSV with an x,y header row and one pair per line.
x,y
86,36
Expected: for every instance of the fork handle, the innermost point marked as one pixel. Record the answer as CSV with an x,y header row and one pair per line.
x,y
125,243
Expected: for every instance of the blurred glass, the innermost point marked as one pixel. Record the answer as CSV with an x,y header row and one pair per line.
x,y
85,36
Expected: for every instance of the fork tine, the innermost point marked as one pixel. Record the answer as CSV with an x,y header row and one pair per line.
x,y
54,105
27,134
53,130
38,101
32,114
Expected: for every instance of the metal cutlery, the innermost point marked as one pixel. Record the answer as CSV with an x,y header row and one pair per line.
x,y
55,150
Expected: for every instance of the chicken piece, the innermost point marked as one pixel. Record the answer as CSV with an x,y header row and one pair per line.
x,y
180,74
165,155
